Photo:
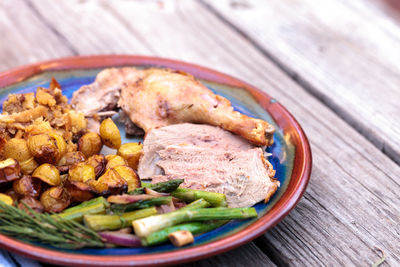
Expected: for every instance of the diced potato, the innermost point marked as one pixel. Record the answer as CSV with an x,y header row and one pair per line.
x,y
131,152
115,160
81,172
6,199
9,170
48,173
17,149
110,134
98,162
55,199
79,191
90,144
129,175
27,186
28,166
34,204
71,158
109,183
44,148
61,144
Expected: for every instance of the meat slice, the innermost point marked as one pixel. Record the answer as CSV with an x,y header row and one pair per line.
x,y
201,135
245,177
103,94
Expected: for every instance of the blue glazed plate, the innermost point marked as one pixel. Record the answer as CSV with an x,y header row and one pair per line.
x,y
290,156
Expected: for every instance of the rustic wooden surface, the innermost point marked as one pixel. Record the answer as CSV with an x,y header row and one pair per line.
x,y
334,66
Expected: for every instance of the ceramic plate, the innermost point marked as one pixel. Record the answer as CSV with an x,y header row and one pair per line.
x,y
291,157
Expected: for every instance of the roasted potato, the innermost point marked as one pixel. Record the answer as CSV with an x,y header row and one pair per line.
x,y
17,149
44,148
48,173
9,170
61,144
110,134
71,158
28,166
78,191
129,175
81,172
34,204
55,199
90,144
98,162
6,199
115,160
109,183
10,192
27,186
131,152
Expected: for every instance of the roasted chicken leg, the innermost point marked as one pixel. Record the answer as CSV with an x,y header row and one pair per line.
x,y
154,98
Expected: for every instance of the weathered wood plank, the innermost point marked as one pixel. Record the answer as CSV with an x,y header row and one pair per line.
x,y
353,184
344,52
25,38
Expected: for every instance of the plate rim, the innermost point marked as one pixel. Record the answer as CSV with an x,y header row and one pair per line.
x,y
299,179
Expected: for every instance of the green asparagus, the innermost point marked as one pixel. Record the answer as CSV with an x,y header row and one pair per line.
x,y
197,204
163,187
114,222
120,208
189,195
93,206
193,227
144,227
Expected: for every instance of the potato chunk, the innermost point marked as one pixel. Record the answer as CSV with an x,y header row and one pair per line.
x,y
131,152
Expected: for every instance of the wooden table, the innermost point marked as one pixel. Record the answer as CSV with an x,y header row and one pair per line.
x,y
334,64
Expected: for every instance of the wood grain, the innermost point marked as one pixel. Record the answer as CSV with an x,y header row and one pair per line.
x,y
343,52
351,205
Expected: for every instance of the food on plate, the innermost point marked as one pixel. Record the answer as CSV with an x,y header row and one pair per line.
x,y
208,158
70,196
154,98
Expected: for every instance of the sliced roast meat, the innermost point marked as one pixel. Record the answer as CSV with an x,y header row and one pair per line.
x,y
245,177
200,135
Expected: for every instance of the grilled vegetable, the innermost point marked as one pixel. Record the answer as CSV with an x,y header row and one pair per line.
x,y
129,175
195,228
94,206
115,160
98,162
81,172
55,199
9,170
157,201
114,222
131,153
110,134
48,173
27,186
121,239
162,187
181,238
189,195
144,227
90,144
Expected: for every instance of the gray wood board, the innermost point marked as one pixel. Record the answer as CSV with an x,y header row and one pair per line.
x,y
343,52
351,205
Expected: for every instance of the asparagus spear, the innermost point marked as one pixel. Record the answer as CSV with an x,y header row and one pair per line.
x,y
114,222
197,204
195,228
189,195
157,201
144,227
163,187
93,206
